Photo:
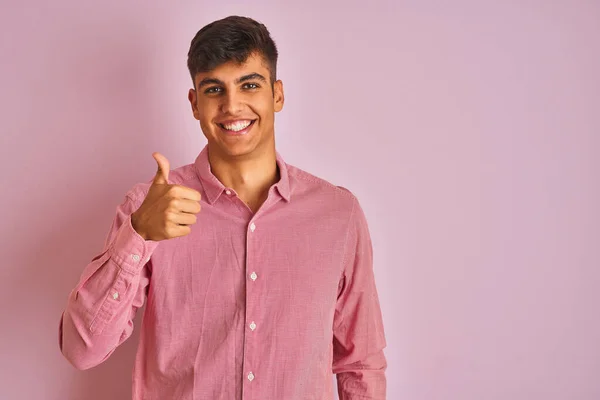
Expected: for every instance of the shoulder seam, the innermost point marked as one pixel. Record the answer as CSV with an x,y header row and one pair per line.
x,y
303,175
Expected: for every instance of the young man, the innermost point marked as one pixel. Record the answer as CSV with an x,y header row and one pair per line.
x,y
258,275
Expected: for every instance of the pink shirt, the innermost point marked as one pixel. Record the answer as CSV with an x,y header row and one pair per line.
x,y
253,306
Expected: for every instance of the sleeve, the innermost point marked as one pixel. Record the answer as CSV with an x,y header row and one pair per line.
x,y
358,335
99,313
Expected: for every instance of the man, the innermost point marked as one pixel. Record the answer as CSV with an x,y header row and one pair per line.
x,y
258,275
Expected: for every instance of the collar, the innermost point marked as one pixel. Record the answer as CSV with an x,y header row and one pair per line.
x,y
214,188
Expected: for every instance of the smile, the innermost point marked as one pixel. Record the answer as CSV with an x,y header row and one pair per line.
x,y
240,127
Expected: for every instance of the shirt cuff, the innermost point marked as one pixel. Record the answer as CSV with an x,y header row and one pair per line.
x,y
130,250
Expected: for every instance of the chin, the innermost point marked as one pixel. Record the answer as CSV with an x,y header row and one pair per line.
x,y
236,149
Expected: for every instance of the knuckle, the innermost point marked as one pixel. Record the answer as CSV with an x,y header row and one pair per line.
x,y
169,230
173,190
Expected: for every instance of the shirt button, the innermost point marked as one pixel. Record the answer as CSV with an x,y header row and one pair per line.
x,y
228,191
252,227
253,325
136,257
253,276
115,295
250,376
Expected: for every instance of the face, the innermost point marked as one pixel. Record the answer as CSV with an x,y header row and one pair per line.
x,y
236,107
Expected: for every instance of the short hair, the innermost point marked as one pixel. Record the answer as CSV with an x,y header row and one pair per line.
x,y
233,38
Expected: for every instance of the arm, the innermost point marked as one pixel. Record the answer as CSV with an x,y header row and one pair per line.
x,y
358,334
100,309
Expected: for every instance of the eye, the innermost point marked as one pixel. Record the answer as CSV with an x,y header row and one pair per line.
x,y
251,86
214,89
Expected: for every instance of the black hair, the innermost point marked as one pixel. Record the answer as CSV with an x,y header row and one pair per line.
x,y
233,38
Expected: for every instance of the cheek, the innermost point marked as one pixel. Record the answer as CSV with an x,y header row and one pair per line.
x,y
264,108
205,114
205,123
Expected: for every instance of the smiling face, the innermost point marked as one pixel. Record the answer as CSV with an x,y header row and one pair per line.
x,y
236,107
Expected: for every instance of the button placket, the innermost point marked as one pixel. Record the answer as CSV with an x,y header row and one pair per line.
x,y
118,289
109,305
253,276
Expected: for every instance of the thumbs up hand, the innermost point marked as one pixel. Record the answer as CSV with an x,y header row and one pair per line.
x,y
168,211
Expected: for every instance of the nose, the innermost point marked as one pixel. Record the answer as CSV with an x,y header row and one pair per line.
x,y
231,103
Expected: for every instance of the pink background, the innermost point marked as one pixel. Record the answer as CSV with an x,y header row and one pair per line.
x,y
469,130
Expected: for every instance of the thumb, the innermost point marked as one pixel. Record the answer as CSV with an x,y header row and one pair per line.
x,y
162,174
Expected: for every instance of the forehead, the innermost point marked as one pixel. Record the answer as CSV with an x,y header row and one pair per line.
x,y
231,70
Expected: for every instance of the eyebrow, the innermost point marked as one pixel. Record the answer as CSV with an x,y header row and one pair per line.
x,y
254,75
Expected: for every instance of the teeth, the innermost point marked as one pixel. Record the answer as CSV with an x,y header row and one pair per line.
x,y
237,126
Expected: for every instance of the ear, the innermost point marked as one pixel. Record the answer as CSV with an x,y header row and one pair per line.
x,y
278,97
193,98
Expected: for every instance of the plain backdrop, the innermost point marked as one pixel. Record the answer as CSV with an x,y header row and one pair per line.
x,y
469,131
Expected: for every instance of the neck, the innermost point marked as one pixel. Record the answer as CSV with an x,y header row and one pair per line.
x,y
250,177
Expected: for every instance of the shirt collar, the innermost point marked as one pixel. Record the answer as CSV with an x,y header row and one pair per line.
x,y
214,188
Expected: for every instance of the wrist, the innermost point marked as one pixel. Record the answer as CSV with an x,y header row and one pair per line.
x,y
136,227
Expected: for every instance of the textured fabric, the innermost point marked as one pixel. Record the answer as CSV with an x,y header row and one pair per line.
x,y
253,306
